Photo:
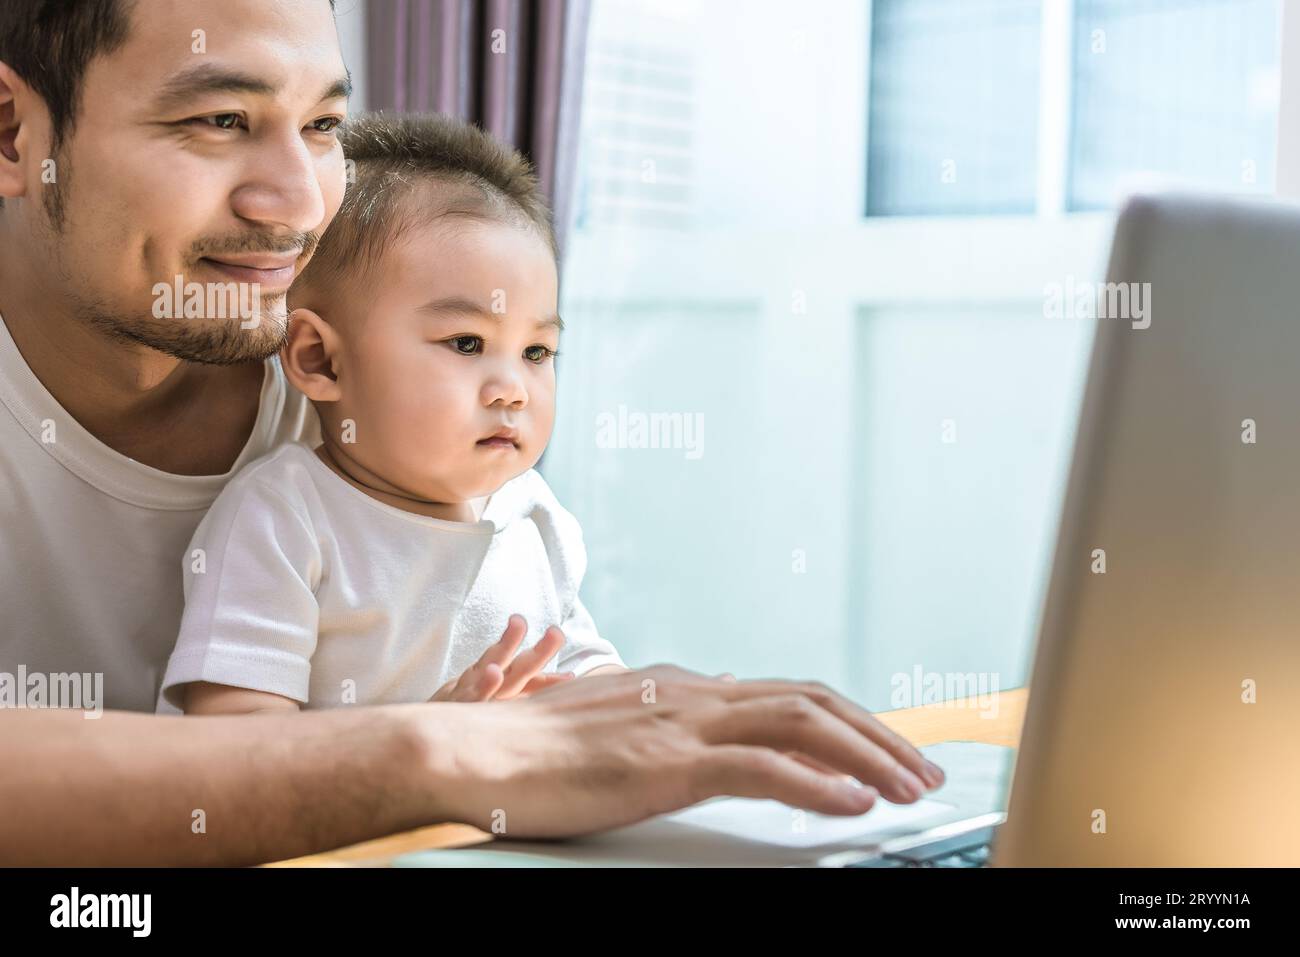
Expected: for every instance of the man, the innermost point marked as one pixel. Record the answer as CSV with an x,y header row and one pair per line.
x,y
152,144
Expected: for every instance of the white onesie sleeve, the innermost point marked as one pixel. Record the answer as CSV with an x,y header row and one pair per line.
x,y
584,648
251,615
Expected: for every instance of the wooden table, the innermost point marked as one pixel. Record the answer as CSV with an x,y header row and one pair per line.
x,y
929,724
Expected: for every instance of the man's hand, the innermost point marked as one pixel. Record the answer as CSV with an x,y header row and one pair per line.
x,y
496,677
590,755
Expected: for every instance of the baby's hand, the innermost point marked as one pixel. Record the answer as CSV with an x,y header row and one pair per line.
x,y
491,679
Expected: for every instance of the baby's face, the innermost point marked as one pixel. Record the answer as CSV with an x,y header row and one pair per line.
x,y
455,344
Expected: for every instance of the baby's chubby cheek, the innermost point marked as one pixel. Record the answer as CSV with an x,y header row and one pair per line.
x,y
396,421
536,425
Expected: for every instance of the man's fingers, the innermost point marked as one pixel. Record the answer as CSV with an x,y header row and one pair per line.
x,y
529,663
855,716
816,765
742,771
793,722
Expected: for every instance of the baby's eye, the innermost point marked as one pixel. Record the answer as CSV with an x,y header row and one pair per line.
x,y
474,343
539,353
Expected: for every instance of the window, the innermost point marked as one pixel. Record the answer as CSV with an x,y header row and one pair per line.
x,y
1175,91
1184,90
954,107
863,421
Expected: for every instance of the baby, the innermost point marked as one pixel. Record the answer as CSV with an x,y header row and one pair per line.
x,y
382,566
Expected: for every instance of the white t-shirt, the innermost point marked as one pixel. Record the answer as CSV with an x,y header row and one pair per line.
x,y
90,540
300,584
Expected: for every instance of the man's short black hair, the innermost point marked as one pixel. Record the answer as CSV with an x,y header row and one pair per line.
x,y
49,43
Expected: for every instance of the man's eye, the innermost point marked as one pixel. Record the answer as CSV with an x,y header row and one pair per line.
x,y
474,343
539,353
332,121
222,121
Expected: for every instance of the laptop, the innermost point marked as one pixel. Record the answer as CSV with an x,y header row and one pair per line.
x,y
1163,724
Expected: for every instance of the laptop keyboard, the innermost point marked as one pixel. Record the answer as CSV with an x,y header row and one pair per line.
x,y
970,849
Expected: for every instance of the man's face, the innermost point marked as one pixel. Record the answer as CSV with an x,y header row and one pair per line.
x,y
202,148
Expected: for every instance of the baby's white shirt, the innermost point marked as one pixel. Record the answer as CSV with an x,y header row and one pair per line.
x,y
299,584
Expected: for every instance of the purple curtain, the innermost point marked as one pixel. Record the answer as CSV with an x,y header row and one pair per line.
x,y
514,67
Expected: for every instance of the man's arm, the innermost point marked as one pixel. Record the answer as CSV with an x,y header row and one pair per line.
x,y
578,757
137,789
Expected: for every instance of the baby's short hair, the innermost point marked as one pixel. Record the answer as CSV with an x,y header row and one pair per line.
x,y
406,170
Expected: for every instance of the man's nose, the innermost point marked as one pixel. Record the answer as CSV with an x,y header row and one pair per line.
x,y
283,186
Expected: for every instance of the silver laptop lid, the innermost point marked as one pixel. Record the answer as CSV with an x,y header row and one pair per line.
x,y
1164,717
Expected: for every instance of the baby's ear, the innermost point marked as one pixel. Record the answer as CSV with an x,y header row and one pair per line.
x,y
310,356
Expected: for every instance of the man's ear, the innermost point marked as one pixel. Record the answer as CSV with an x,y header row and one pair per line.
x,y
16,132
310,356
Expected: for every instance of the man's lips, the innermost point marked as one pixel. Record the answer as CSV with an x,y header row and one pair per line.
x,y
270,271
